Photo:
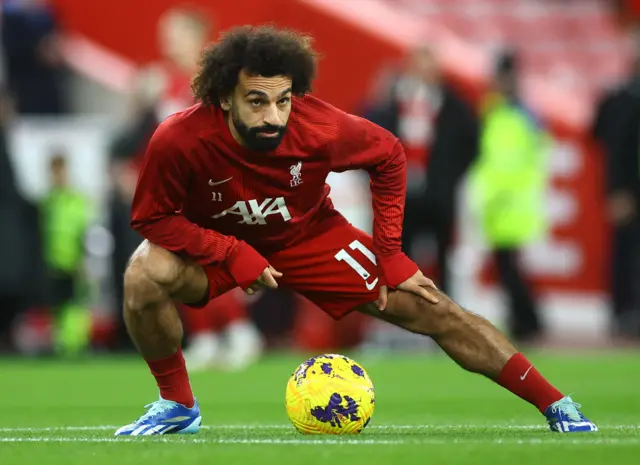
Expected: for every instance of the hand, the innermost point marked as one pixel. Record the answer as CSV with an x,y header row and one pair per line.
x,y
48,50
416,284
266,280
149,83
622,208
126,182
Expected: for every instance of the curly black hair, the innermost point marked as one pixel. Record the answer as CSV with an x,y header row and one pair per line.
x,y
258,50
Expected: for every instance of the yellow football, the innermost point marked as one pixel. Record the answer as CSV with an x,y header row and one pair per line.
x,y
330,394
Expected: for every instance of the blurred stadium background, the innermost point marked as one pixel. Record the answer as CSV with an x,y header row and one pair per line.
x,y
85,83
521,122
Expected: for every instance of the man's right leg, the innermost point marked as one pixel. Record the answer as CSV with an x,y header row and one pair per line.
x,y
155,278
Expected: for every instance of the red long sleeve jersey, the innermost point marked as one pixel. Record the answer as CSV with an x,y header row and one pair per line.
x,y
200,192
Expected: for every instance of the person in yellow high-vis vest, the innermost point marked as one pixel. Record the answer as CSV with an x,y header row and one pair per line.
x,y
507,184
65,218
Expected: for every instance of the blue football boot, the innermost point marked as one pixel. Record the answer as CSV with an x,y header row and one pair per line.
x,y
164,417
564,416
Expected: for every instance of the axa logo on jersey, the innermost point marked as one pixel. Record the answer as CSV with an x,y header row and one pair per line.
x,y
253,212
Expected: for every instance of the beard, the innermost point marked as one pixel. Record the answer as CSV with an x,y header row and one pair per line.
x,y
254,138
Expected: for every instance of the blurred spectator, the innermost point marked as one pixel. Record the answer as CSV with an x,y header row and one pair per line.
x,y
126,149
182,34
159,90
32,56
20,258
220,334
508,188
624,214
65,219
627,11
440,136
617,127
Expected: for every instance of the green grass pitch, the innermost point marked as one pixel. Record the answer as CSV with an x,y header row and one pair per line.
x,y
428,411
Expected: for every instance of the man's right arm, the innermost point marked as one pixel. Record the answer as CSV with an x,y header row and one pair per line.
x,y
155,214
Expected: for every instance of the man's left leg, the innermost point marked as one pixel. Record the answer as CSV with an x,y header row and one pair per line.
x,y
478,346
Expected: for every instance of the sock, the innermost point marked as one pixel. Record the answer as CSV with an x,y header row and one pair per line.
x,y
172,379
521,378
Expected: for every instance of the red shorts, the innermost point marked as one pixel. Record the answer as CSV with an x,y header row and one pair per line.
x,y
336,270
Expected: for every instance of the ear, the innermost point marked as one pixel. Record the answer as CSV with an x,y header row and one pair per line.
x,y
225,103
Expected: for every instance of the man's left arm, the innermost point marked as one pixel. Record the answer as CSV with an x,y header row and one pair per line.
x,y
363,145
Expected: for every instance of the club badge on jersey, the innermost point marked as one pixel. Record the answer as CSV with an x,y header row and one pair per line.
x,y
296,174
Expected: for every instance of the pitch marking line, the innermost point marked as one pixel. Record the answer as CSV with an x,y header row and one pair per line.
x,y
323,442
501,427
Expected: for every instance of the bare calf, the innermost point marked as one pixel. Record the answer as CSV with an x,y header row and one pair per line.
x,y
470,340
154,279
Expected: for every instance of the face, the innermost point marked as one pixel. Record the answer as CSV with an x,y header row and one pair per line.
x,y
259,110
6,108
58,174
506,83
181,39
634,46
424,66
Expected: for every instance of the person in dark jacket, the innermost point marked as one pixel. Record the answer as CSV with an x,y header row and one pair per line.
x,y
21,267
623,203
125,151
617,128
33,56
439,132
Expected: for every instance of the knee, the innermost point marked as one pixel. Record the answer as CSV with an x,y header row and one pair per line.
x,y
434,319
151,278
140,291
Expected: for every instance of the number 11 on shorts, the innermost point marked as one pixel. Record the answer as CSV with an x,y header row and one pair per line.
x,y
343,255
